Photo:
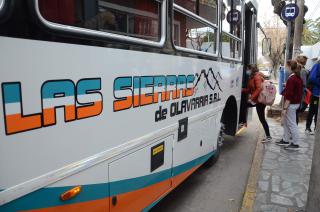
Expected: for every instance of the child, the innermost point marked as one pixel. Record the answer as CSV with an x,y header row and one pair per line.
x,y
292,99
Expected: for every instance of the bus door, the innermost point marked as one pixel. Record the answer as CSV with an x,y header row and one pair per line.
x,y
249,57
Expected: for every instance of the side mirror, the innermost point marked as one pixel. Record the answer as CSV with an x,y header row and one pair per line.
x,y
266,46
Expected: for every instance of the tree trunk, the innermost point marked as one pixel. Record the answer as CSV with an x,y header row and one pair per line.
x,y
298,26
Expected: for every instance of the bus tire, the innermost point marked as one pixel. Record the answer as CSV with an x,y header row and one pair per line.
x,y
213,159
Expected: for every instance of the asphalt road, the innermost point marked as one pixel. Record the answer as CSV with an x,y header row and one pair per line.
x,y
221,187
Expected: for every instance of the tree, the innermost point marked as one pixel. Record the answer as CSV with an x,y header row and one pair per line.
x,y
198,36
311,32
277,32
209,37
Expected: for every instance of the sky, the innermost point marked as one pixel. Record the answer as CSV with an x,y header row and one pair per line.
x,y
314,8
265,13
266,9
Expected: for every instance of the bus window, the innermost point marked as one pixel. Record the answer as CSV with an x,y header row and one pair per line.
x,y
193,33
206,9
231,46
231,21
135,18
187,4
231,17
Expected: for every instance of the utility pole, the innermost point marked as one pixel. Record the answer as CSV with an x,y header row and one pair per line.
x,y
288,42
313,203
298,27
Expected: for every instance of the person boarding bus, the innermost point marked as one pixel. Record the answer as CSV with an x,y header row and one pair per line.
x,y
254,89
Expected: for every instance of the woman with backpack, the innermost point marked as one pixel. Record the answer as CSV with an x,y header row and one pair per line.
x,y
292,98
254,89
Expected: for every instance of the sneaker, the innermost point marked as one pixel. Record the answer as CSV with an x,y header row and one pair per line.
x,y
308,131
282,143
292,147
266,139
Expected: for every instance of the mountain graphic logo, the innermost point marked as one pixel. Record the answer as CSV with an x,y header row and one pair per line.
x,y
212,79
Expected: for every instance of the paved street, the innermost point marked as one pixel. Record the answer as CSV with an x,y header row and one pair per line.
x,y
282,184
221,187
284,175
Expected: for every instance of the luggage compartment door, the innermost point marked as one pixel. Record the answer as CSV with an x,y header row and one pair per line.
x,y
140,178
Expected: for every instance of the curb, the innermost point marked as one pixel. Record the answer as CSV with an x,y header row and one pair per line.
x,y
251,188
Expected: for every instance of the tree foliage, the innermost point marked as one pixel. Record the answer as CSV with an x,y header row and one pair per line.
x,y
311,32
209,36
277,32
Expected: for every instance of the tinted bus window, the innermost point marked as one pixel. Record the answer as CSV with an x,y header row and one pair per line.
x,y
193,34
136,18
187,4
206,9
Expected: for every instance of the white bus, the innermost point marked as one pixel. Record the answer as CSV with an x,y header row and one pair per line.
x,y
108,105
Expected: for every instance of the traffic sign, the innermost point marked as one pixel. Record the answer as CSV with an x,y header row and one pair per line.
x,y
234,16
290,12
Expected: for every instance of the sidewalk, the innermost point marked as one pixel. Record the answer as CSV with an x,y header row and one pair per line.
x,y
284,175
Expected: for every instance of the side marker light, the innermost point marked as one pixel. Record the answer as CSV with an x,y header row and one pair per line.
x,y
70,193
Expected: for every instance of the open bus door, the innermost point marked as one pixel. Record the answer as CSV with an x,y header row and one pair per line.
x,y
249,57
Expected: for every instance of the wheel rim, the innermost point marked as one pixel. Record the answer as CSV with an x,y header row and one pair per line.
x,y
220,136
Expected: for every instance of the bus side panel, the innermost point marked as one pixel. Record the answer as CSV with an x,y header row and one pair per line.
x,y
53,81
140,178
93,196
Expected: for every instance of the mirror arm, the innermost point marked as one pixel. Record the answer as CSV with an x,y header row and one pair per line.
x,y
260,27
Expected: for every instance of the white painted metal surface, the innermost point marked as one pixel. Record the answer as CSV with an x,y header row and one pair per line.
x,y
68,153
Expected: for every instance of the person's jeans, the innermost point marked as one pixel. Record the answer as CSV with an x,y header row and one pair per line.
x,y
262,117
290,127
313,111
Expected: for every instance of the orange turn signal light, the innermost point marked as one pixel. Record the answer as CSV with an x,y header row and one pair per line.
x,y
70,193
